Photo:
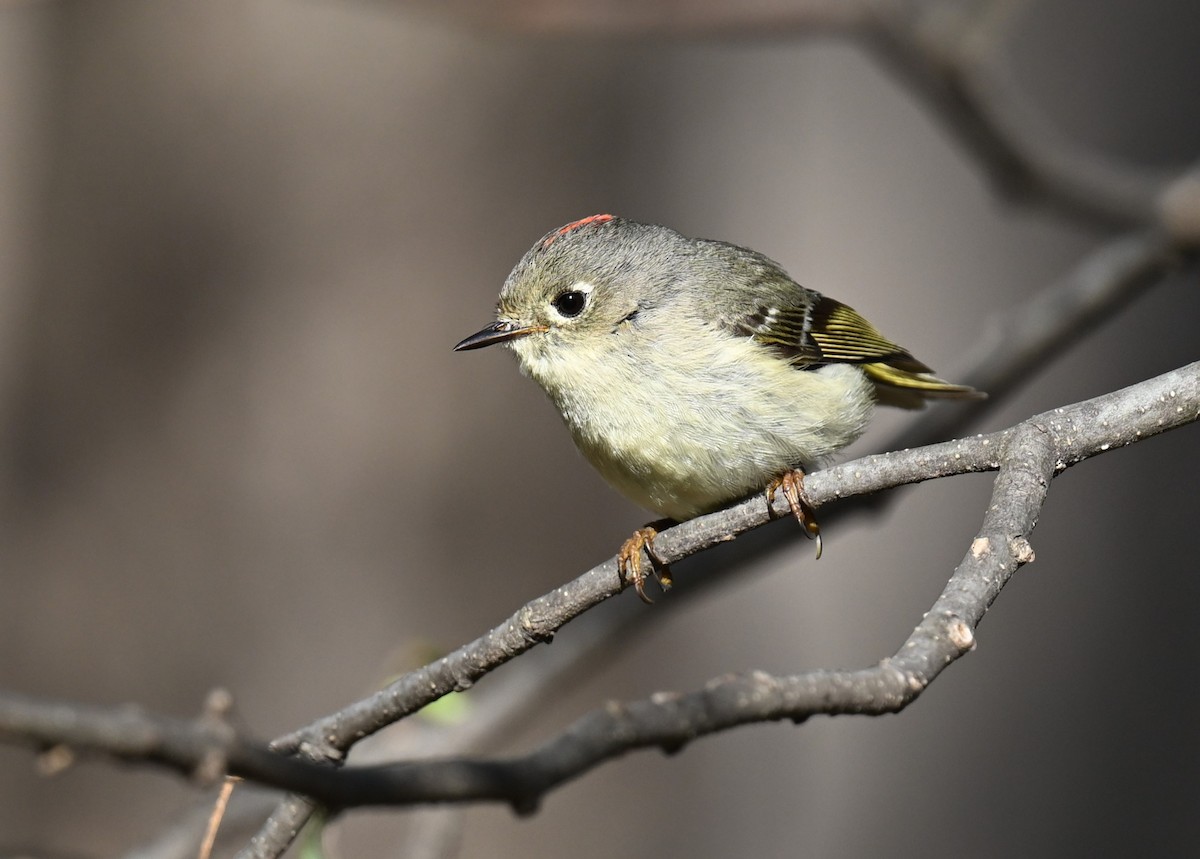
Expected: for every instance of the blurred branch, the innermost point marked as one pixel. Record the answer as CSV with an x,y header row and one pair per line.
x,y
944,52
1014,347
661,19
947,61
1027,456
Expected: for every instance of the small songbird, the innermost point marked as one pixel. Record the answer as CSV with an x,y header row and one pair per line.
x,y
692,373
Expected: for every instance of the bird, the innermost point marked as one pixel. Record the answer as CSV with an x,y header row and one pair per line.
x,y
692,373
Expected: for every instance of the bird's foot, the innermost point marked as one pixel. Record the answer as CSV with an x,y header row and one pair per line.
x,y
792,485
629,560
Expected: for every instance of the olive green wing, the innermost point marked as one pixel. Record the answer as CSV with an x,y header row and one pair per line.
x,y
814,331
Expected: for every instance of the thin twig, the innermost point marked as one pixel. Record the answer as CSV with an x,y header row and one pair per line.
x,y
214,819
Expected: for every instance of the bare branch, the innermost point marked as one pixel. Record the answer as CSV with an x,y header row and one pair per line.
x,y
203,748
671,721
1027,455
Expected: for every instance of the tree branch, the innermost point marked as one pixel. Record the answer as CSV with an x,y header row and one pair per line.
x,y
671,721
1027,455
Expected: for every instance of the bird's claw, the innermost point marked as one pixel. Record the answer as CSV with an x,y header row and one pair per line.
x,y
629,562
792,485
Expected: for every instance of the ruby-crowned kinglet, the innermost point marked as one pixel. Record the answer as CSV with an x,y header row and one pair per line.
x,y
692,373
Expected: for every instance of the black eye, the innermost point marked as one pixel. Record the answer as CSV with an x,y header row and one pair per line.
x,y
570,303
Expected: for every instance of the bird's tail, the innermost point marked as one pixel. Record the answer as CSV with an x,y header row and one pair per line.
x,y
905,382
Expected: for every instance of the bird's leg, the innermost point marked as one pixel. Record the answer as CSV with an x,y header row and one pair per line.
x,y
792,484
629,559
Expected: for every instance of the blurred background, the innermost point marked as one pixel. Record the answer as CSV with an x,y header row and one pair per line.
x,y
237,241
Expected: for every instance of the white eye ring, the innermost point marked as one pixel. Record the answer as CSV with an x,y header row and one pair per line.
x,y
571,302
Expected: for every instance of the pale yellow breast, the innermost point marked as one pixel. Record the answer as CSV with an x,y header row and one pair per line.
x,y
714,418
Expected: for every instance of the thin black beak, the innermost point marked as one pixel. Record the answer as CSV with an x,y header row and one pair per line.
x,y
497,332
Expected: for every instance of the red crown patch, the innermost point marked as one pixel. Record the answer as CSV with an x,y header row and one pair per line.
x,y
573,226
